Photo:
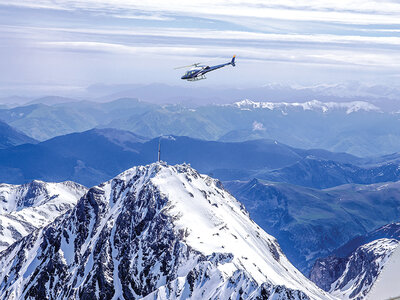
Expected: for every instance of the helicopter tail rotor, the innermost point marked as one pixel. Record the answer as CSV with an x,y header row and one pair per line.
x,y
233,61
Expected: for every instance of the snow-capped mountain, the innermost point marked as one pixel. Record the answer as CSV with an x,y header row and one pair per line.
x,y
153,232
362,269
24,208
356,273
386,285
352,269
316,105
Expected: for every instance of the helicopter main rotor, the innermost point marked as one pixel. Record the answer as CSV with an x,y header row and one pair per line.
x,y
192,65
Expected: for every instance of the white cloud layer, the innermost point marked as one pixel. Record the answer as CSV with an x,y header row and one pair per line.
x,y
353,37
344,11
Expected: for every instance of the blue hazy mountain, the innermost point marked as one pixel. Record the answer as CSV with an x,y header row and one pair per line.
x,y
310,223
44,121
389,231
359,128
52,100
11,137
164,94
95,155
87,157
313,171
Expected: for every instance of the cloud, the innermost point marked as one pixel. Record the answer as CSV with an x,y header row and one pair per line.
x,y
257,126
315,56
154,17
200,34
344,11
272,37
180,42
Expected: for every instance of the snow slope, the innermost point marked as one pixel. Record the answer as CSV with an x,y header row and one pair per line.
x,y
24,208
387,285
362,269
153,232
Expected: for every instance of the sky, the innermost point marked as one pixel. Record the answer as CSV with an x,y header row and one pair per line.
x,y
72,44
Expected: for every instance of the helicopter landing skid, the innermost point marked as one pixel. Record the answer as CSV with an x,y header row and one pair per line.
x,y
197,78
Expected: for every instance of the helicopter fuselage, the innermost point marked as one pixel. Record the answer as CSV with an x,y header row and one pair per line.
x,y
198,72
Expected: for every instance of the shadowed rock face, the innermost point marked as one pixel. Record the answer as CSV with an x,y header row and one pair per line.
x,y
153,232
327,270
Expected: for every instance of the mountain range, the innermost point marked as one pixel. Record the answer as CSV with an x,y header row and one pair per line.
x,y
165,94
311,223
93,156
43,121
335,215
323,207
357,127
384,95
153,232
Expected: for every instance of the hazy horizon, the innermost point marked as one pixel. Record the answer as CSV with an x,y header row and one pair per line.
x,y
385,97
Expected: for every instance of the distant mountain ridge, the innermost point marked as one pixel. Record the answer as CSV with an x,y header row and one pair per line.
x,y
165,94
95,155
326,92
43,121
389,231
320,173
51,100
310,223
10,137
357,127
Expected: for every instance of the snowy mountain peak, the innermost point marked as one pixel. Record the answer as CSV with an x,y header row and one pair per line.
x,y
24,208
35,193
316,105
362,269
386,285
153,232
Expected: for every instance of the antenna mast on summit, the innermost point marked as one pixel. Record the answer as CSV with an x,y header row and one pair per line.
x,y
159,149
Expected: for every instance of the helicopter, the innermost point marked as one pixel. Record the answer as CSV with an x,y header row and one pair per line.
x,y
198,71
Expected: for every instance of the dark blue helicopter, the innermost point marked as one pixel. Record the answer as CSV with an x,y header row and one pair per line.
x,y
198,71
